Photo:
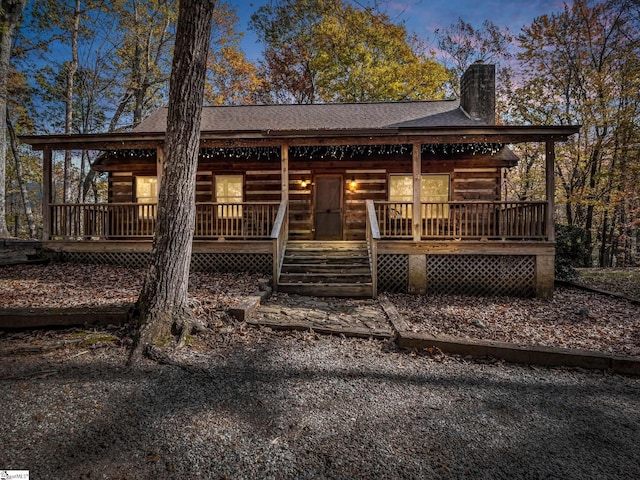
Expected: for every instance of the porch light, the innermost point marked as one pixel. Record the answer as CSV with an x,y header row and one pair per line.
x,y
304,182
352,183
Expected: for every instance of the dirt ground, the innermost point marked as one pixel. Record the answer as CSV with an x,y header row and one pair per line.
x,y
251,403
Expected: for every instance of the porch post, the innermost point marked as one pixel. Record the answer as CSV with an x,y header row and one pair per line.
x,y
545,263
550,160
47,168
159,166
284,172
417,176
417,263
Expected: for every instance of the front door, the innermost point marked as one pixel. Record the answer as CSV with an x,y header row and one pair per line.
x,y
328,207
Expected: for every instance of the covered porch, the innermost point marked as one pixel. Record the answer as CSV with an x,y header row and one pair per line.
x,y
399,244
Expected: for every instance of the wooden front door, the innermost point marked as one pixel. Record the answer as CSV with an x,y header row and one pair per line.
x,y
328,207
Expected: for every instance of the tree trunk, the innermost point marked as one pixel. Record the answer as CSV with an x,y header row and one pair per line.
x,y
23,191
10,11
72,68
162,306
604,253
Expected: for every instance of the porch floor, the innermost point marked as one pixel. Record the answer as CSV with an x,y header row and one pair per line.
x,y
351,317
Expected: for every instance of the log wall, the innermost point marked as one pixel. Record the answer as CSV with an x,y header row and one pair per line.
x,y
473,177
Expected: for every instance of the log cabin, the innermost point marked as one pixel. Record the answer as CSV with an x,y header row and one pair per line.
x,y
331,199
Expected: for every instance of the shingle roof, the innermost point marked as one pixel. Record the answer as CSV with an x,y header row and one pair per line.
x,y
346,116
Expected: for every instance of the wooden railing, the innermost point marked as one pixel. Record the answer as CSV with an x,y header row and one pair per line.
x,y
85,221
394,219
372,235
235,220
279,236
465,220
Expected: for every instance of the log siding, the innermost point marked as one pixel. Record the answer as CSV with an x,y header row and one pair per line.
x,y
473,178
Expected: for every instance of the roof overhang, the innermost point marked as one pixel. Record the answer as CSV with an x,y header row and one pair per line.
x,y
405,135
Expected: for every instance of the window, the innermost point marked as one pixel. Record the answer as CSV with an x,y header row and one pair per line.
x,y
401,190
147,192
433,188
229,191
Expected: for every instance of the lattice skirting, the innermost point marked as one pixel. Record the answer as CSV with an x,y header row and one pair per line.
x,y
482,274
393,273
203,262
513,275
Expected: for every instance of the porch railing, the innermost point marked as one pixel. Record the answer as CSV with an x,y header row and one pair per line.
x,y
85,221
464,220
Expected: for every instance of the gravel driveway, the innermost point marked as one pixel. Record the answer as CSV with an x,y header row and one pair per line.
x,y
258,404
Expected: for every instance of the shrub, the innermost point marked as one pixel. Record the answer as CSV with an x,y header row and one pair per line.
x,y
570,250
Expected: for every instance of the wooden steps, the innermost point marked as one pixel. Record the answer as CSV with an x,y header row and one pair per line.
x,y
326,269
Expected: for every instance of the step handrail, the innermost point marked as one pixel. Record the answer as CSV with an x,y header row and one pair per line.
x,y
279,236
372,235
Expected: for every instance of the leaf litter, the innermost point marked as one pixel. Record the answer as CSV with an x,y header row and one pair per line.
x,y
571,319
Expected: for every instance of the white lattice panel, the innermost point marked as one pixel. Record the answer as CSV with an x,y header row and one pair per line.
x,y
481,274
393,273
208,262
124,259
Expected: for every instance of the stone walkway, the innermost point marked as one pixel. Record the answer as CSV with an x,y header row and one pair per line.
x,y
352,317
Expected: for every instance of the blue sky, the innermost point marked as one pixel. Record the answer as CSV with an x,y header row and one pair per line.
x,y
424,16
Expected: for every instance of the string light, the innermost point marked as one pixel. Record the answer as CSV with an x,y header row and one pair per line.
x,y
453,148
338,152
138,153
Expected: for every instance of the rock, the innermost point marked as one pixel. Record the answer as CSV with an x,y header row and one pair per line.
x,y
586,313
479,323
264,284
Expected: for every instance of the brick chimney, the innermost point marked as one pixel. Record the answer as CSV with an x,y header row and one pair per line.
x,y
478,92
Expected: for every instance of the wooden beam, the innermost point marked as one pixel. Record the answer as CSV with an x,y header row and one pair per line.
x,y
550,160
417,179
312,139
133,246
380,136
47,169
472,247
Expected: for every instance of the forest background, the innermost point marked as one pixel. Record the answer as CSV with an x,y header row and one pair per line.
x,y
87,66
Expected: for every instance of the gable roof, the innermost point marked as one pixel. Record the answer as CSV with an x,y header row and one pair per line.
x,y
314,117
337,124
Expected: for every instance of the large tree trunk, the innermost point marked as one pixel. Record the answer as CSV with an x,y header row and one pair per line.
x,y
10,11
162,307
